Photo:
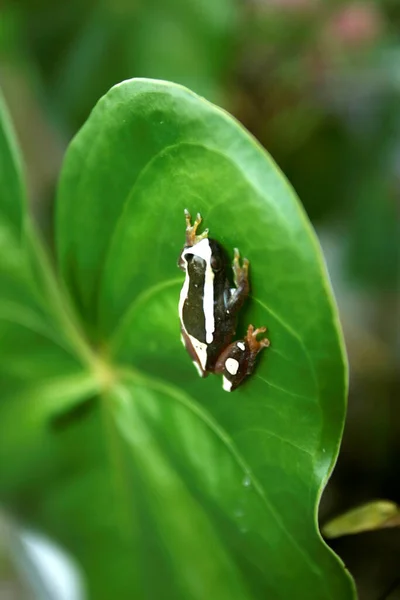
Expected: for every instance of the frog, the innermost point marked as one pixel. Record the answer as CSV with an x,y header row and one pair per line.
x,y
209,306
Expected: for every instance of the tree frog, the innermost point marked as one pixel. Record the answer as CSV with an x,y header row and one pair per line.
x,y
208,309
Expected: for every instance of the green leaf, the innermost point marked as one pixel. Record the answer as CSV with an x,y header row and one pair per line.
x,y
160,483
12,200
29,294
40,365
18,301
377,514
149,150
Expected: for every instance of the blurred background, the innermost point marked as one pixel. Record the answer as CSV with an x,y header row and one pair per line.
x,y
317,82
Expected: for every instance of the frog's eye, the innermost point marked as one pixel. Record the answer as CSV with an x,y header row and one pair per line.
x,y
216,263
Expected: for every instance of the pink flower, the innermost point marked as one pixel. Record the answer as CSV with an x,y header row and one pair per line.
x,y
356,24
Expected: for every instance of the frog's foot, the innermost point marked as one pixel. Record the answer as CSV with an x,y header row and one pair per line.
x,y
191,237
255,346
238,360
240,273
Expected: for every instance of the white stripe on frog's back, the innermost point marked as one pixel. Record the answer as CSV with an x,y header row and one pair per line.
x,y
199,347
203,250
201,351
182,299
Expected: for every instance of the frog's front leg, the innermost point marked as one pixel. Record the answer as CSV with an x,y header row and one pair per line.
x,y
191,230
241,278
191,238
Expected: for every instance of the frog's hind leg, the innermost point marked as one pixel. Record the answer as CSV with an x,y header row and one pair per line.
x,y
237,361
255,346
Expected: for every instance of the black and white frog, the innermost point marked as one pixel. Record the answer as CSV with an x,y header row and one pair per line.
x,y
208,309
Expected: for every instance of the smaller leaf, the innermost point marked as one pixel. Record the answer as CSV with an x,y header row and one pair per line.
x,y
367,517
12,195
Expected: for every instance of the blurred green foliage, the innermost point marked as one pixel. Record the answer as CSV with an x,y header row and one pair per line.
x,y
317,83
81,49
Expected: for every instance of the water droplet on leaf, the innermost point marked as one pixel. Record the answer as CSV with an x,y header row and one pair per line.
x,y
246,481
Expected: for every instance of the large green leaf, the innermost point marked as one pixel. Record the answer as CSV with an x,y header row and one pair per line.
x,y
162,484
215,487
